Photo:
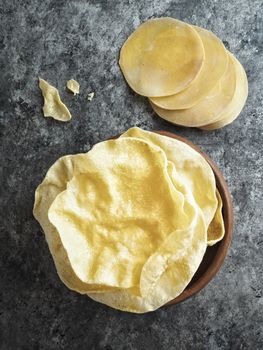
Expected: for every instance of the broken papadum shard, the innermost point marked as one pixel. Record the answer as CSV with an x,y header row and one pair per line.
x,y
90,96
73,86
53,106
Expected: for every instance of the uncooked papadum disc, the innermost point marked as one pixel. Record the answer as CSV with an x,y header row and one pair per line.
x,y
236,105
215,64
210,107
161,57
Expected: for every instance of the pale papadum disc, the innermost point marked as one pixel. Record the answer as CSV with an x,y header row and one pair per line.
x,y
215,64
236,105
208,109
161,57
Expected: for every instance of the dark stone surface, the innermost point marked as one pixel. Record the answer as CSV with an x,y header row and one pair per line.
x,y
59,40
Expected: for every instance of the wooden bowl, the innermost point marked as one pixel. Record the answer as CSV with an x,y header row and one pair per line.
x,y
215,255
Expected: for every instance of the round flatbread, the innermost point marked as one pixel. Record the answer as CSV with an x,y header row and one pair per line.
x,y
161,57
119,184
216,229
55,182
174,277
190,166
208,109
215,65
239,99
179,261
116,213
169,270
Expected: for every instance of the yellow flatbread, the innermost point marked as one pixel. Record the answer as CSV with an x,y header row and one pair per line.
x,y
162,57
123,221
190,166
55,182
110,220
236,105
169,270
179,261
216,229
208,109
215,64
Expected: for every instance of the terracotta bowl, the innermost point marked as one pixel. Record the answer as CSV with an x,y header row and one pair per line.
x,y
215,255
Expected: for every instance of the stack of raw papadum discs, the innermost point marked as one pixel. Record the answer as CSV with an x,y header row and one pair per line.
x,y
186,72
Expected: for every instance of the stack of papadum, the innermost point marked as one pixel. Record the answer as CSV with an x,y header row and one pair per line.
x,y
128,222
186,72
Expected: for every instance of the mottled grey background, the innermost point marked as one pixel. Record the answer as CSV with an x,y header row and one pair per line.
x,y
59,40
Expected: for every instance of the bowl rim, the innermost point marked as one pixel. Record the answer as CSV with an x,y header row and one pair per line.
x,y
228,216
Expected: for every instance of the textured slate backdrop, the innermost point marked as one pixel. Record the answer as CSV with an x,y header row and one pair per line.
x,y
58,40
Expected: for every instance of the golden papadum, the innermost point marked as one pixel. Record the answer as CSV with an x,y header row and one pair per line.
x,y
107,214
125,222
55,182
190,166
216,229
